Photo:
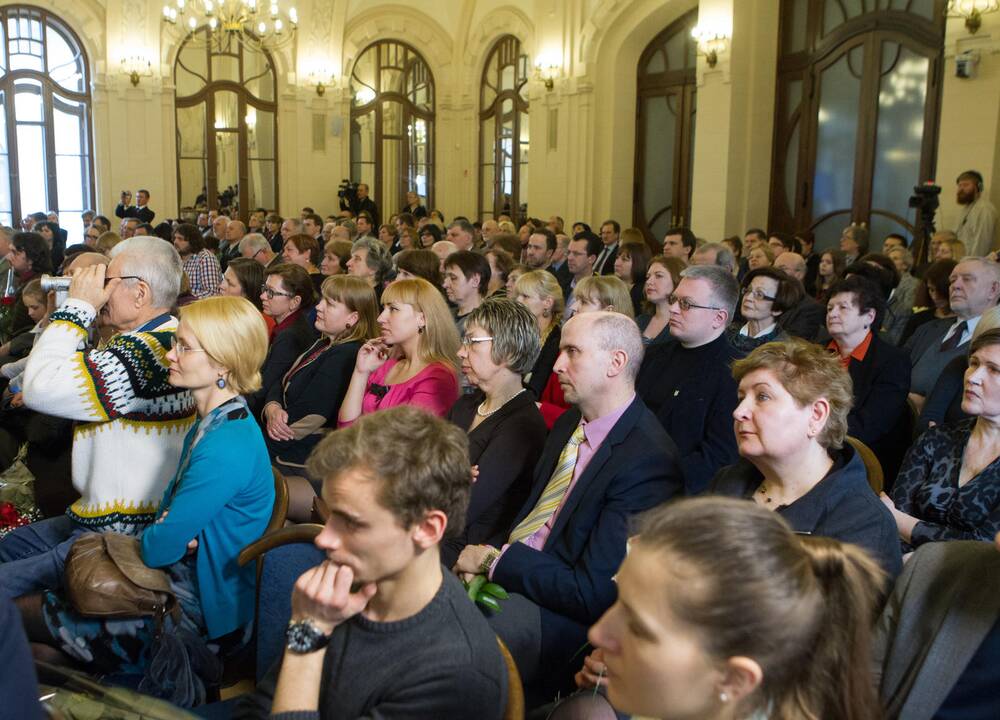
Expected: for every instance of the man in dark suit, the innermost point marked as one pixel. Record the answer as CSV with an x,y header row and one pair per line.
x,y
140,210
580,258
806,317
610,231
974,288
937,645
604,461
688,382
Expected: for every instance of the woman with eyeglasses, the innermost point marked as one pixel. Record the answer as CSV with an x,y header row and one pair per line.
x,y
506,430
287,295
766,294
218,501
301,408
413,361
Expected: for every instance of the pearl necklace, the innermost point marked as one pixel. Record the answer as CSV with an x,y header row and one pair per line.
x,y
479,410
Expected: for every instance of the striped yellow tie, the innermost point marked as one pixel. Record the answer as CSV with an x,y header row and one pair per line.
x,y
554,491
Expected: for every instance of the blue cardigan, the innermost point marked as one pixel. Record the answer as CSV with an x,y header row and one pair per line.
x,y
224,497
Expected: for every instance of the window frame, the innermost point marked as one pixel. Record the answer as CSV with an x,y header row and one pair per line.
x,y
509,48
244,100
8,82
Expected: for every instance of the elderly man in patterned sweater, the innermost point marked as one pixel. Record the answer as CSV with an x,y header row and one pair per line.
x,y
131,422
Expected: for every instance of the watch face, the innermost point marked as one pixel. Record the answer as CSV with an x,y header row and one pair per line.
x,y
304,637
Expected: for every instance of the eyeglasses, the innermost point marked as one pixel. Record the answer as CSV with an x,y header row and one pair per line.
x,y
686,304
756,294
120,277
271,292
181,349
470,341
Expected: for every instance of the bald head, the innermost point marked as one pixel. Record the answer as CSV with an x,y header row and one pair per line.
x,y
791,264
613,332
86,259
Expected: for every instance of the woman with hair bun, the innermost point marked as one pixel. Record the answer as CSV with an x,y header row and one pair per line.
x,y
724,613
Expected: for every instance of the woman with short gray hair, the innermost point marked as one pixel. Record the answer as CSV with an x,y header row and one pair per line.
x,y
506,429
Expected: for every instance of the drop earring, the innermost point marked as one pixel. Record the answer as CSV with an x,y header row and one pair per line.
x,y
220,383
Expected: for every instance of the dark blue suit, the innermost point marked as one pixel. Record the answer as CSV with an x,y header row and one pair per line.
x,y
633,470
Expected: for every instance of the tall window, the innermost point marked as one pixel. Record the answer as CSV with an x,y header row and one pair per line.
x,y
226,124
45,135
503,117
392,124
856,126
665,120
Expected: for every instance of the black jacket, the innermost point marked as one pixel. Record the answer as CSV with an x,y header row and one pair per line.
x,y
286,347
542,368
144,214
841,506
880,417
804,320
506,446
693,394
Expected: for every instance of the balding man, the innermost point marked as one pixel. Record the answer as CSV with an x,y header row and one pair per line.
x,y
235,230
217,237
489,229
806,318
688,383
715,254
443,248
605,460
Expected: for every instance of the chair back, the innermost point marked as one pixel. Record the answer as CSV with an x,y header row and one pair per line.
x,y
280,512
515,691
285,554
873,467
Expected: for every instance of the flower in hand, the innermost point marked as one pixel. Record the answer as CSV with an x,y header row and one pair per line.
x,y
323,595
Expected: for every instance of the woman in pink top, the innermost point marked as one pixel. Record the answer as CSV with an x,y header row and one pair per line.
x,y
414,362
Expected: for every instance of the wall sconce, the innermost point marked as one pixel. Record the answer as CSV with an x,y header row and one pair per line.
x,y
710,43
972,11
320,79
548,73
136,67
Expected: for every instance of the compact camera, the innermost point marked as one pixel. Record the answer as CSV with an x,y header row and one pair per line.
x,y
58,285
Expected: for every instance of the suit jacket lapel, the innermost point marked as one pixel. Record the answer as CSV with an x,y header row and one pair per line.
x,y
587,481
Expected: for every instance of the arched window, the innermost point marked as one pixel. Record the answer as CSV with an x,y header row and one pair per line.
x,y
226,124
503,118
856,118
392,125
664,147
45,138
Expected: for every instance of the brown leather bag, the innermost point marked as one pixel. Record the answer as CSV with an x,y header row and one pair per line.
x,y
106,577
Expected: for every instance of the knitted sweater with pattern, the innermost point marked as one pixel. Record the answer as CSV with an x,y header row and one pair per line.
x,y
131,422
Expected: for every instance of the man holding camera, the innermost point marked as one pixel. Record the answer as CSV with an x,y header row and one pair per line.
x,y
358,201
977,219
140,210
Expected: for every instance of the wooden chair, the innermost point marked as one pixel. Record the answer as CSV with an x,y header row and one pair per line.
x,y
515,691
280,512
872,466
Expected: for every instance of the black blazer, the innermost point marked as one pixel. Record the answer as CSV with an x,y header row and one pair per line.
x,y
144,214
286,347
312,387
804,320
841,506
880,417
542,368
570,579
608,268
693,394
506,446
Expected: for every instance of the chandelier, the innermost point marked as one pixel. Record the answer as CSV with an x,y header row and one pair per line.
x,y
247,22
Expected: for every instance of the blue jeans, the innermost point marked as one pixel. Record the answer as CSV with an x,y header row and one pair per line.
x,y
32,558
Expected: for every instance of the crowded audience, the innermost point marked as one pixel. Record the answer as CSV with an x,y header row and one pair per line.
x,y
500,426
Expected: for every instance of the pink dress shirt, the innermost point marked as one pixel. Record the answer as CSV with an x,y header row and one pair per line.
x,y
594,433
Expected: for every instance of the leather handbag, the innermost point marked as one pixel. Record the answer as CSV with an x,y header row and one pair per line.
x,y
106,577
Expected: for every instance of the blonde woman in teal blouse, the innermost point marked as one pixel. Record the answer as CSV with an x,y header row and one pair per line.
x,y
219,501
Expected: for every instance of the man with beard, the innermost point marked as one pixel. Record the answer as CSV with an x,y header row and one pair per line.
x,y
977,218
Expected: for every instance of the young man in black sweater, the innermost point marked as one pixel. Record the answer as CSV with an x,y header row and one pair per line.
x,y
380,628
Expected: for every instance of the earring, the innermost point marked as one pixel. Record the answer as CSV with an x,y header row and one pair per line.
x,y
546,313
220,383
420,330
723,696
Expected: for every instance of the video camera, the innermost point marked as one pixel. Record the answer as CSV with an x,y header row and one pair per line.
x,y
925,200
348,194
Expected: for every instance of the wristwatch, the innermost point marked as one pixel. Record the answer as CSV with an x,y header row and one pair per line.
x,y
304,637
